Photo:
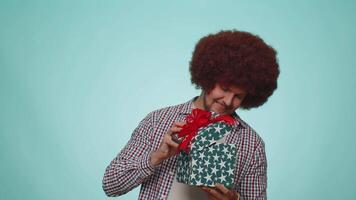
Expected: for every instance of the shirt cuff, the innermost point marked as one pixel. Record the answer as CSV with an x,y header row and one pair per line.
x,y
146,167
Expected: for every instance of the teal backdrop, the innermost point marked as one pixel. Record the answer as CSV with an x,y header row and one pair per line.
x,y
76,77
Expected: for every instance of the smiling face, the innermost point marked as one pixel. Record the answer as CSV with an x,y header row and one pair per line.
x,y
221,99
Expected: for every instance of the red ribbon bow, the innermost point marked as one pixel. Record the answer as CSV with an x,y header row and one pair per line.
x,y
198,118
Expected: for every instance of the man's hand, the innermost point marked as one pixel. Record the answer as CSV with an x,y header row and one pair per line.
x,y
220,192
168,147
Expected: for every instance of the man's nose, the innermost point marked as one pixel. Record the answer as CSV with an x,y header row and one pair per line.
x,y
228,100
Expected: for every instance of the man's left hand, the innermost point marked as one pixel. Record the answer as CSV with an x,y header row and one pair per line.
x,y
220,192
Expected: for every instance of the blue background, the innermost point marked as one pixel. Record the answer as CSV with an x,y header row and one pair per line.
x,y
76,77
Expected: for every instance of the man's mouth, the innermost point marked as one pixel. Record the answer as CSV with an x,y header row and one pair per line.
x,y
221,106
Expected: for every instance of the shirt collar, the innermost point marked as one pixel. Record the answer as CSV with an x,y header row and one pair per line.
x,y
187,109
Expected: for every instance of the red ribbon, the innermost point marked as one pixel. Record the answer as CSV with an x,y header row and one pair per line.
x,y
198,118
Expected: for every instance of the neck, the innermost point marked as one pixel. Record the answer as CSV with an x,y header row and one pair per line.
x,y
200,102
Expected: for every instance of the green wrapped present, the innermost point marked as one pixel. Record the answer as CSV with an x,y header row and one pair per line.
x,y
208,161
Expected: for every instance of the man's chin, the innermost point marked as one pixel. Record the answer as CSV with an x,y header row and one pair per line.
x,y
220,112
217,109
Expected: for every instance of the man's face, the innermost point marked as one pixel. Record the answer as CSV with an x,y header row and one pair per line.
x,y
224,99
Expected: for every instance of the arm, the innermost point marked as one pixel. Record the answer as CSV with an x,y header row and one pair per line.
x,y
137,160
254,184
132,165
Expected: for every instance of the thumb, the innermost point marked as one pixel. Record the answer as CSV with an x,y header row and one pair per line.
x,y
164,148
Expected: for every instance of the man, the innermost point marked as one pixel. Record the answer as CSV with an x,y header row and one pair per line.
x,y
235,70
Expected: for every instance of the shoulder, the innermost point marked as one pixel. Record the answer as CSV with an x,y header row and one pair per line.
x,y
171,111
249,136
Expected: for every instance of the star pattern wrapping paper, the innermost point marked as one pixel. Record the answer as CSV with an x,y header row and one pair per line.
x,y
208,162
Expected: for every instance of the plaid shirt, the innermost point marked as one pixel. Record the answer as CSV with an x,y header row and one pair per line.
x,y
131,167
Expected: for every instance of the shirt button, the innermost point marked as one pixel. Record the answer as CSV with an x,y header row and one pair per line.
x,y
171,172
163,197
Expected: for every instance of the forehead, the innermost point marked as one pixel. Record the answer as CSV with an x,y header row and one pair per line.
x,y
233,88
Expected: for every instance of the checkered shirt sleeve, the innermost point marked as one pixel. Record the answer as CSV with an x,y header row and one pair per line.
x,y
254,183
131,166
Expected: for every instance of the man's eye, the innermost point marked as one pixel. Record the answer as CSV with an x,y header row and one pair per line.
x,y
238,96
224,89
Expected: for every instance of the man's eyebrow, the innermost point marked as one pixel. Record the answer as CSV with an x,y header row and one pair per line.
x,y
242,93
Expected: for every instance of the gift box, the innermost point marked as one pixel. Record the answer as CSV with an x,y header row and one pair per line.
x,y
209,161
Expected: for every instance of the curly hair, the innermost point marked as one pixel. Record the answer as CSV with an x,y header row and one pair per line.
x,y
236,58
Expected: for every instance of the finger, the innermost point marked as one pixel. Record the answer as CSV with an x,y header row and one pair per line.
x,y
171,143
213,193
179,124
169,147
176,138
238,195
175,129
167,140
205,189
222,188
164,148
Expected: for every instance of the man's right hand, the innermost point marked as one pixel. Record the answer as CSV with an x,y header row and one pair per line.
x,y
168,147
